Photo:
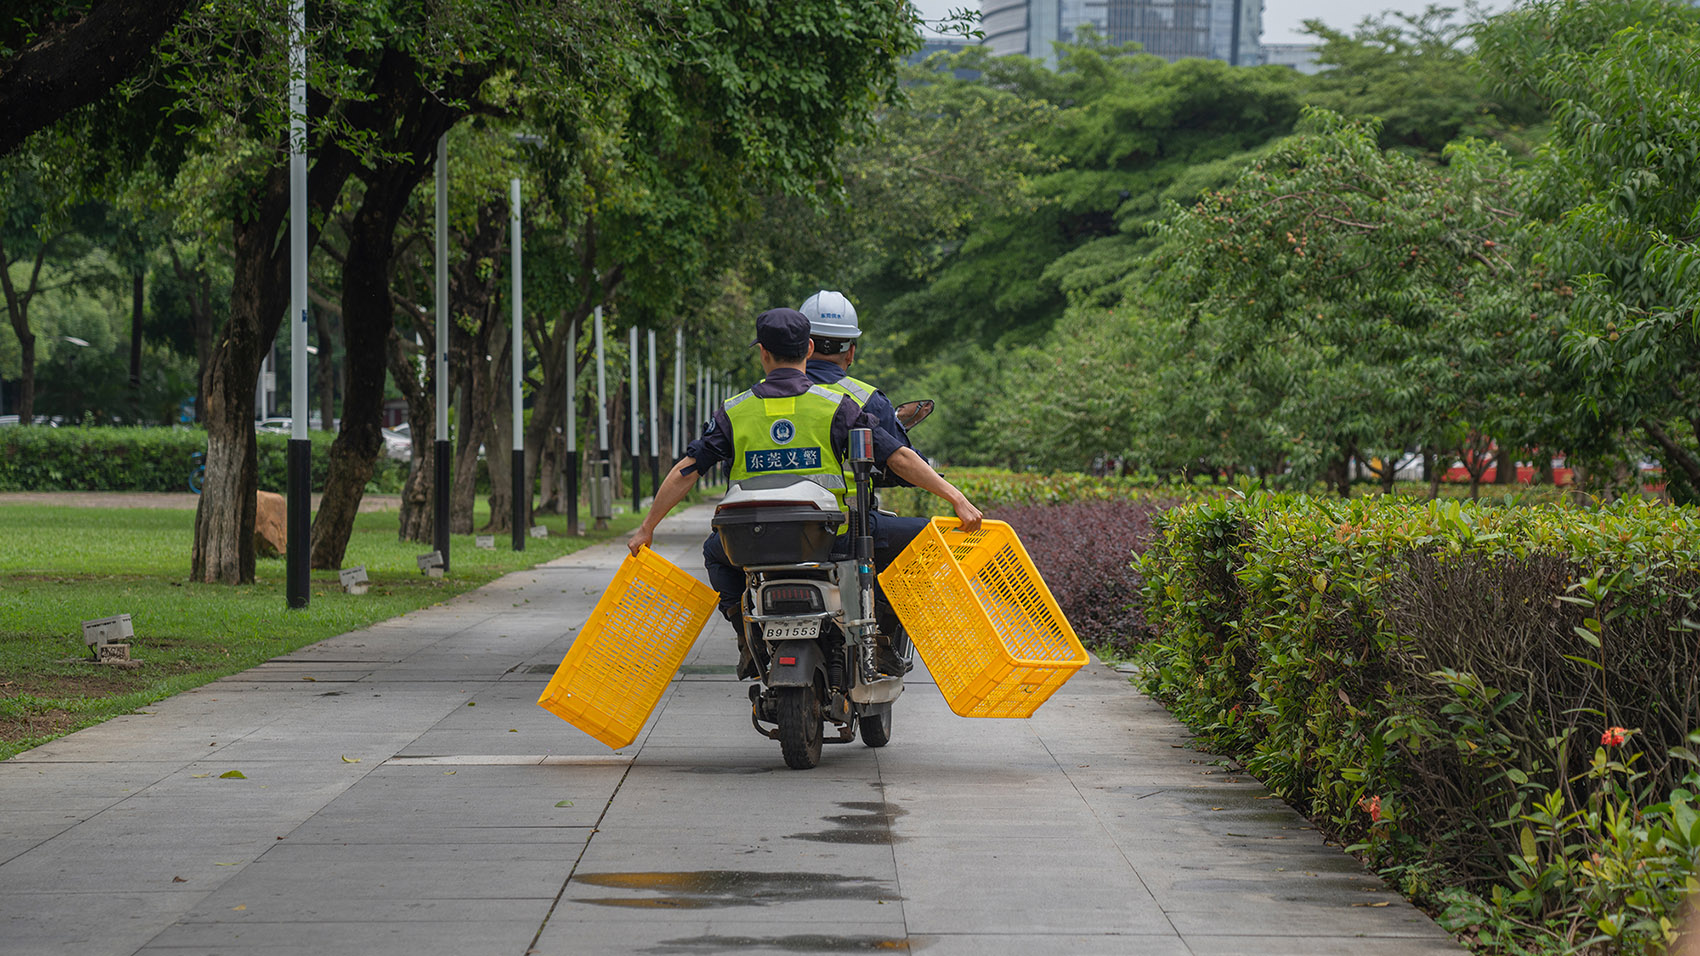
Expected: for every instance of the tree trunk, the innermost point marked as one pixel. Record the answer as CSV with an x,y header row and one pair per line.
x,y
136,330
1338,476
498,454
417,516
224,514
200,321
550,341
472,293
1505,468
324,371
1674,455
552,491
26,381
1433,471
474,433
414,119
367,319
259,295
1543,468
18,311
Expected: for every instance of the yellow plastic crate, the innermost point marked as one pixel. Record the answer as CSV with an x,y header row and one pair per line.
x,y
984,622
629,649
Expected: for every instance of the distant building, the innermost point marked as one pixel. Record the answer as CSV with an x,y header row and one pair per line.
x,y
932,45
1227,30
1299,56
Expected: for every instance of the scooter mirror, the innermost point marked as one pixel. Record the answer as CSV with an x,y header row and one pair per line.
x,y
910,414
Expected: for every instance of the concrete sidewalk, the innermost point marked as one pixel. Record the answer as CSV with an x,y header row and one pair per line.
x,y
402,793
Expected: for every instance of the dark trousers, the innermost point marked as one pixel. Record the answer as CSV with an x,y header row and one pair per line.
x,y
891,534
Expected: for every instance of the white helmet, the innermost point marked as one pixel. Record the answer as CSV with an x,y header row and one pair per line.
x,y
831,316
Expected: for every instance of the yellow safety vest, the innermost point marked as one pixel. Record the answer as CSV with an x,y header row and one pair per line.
x,y
786,436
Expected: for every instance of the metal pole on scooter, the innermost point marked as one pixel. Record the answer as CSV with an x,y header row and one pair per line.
x,y
862,464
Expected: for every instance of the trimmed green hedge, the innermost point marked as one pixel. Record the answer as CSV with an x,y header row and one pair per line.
x,y
39,458
1493,704
990,488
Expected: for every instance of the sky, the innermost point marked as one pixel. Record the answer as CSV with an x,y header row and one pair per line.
x,y
1281,18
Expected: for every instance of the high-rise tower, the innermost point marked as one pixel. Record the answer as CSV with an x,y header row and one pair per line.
x,y
1229,30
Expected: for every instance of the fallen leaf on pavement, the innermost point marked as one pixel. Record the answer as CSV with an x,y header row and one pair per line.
x,y
348,759
233,775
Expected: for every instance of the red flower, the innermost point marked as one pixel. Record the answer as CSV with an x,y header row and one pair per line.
x,y
1371,806
1614,736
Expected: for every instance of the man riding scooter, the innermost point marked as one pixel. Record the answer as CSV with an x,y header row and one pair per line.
x,y
786,424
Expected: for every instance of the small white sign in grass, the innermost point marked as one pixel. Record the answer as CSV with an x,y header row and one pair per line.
x,y
354,579
431,564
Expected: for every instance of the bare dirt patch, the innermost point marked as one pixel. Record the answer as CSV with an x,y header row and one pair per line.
x,y
46,723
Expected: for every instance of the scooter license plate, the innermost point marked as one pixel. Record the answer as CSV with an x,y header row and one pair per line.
x,y
804,630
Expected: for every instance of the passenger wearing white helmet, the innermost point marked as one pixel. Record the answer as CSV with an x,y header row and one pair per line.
x,y
834,329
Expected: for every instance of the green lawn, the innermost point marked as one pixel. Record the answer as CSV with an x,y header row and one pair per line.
x,y
60,566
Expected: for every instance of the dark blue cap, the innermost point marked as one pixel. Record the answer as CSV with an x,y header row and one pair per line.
x,y
783,332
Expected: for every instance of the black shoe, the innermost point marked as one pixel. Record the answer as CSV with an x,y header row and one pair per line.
x,y
889,663
747,668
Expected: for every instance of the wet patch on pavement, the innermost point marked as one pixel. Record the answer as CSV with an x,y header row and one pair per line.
x,y
868,824
801,943
709,889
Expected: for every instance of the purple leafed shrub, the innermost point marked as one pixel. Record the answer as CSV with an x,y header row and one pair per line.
x,y
1084,550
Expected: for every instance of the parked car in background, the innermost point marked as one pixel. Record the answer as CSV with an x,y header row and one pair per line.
x,y
398,445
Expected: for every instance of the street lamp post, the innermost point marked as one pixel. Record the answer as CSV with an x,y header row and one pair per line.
x,y
604,492
442,489
632,353
300,457
572,429
654,423
678,394
521,494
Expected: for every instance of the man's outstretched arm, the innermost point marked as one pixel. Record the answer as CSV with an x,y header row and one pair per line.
x,y
673,490
915,470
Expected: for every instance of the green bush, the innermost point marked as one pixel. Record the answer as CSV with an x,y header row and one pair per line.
x,y
1493,703
990,488
39,458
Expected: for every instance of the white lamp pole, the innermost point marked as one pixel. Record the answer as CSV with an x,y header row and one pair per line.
x,y
572,429
678,393
632,354
300,449
604,481
654,422
442,489
521,497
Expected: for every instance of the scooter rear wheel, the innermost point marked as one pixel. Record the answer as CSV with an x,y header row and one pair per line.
x,y
800,730
876,725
